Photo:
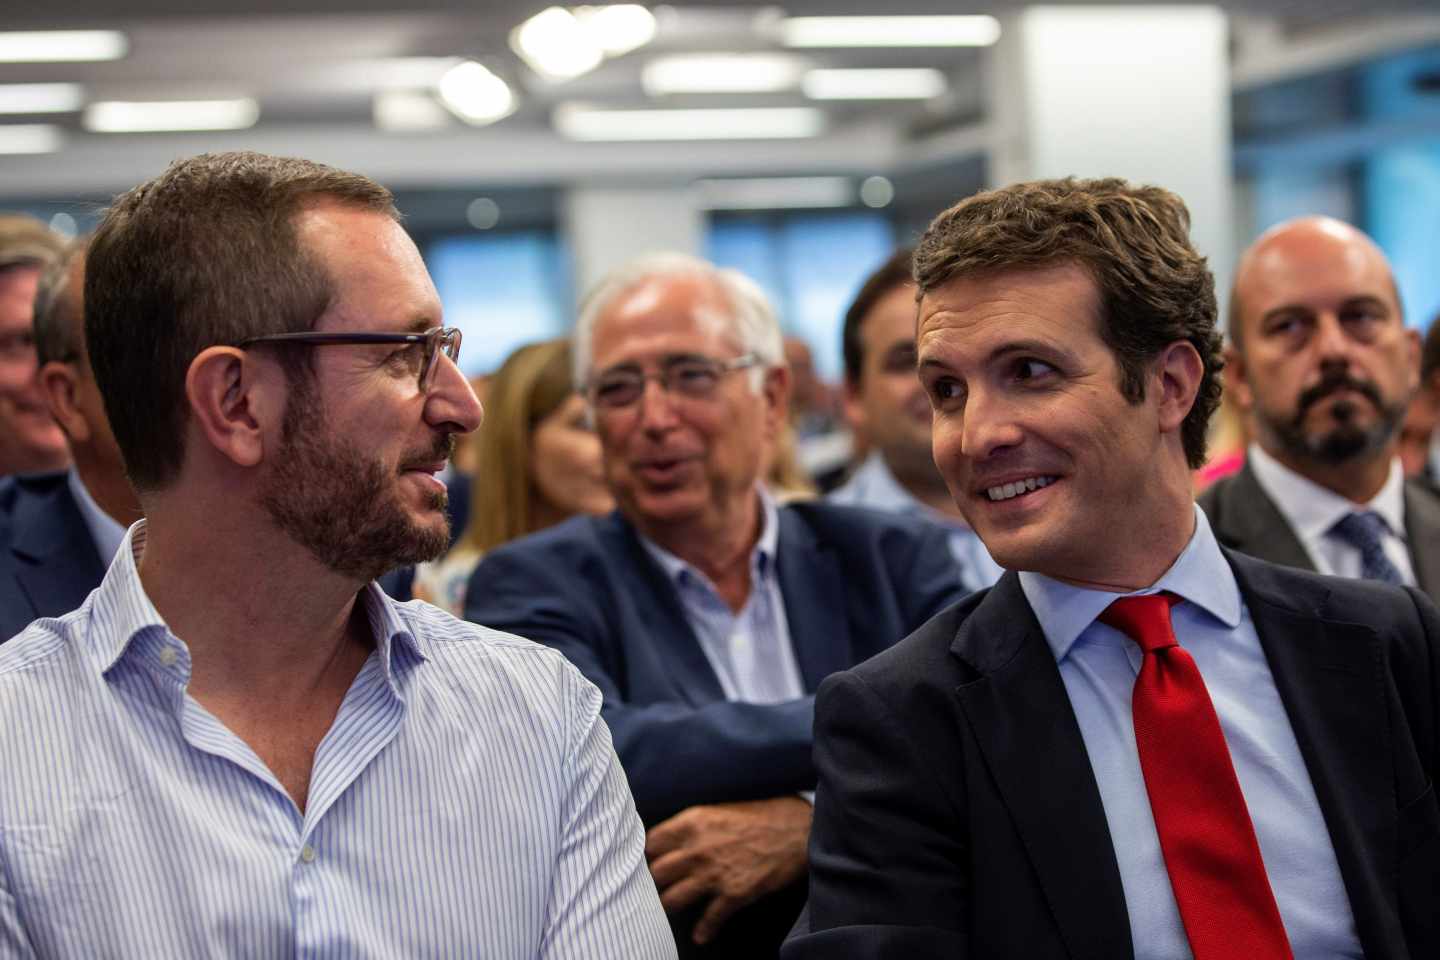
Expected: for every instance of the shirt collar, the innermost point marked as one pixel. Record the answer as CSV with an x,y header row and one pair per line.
x,y
104,530
1199,575
762,556
1312,510
132,625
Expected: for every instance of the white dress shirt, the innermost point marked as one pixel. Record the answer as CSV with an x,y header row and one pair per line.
x,y
1312,510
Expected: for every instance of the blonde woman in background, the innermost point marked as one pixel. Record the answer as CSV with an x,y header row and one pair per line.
x,y
536,462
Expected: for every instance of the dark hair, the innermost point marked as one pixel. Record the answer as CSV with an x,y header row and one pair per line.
x,y
1430,352
894,272
59,322
204,254
1154,288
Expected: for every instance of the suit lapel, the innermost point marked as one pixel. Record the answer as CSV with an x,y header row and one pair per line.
x,y
1031,742
1251,523
662,615
1331,678
1422,530
814,593
59,565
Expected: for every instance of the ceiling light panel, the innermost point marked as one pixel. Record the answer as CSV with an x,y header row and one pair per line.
x,y
772,193
936,31
41,97
409,110
618,28
62,46
30,138
556,45
721,73
476,95
877,84
585,123
155,116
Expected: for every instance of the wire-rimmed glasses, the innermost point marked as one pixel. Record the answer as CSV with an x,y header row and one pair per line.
x,y
426,346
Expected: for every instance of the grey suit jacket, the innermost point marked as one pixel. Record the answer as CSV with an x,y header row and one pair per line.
x,y
1244,518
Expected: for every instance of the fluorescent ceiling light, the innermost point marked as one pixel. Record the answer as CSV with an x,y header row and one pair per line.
x,y
62,46
618,28
720,73
584,123
122,116
769,193
555,44
41,97
408,110
883,84
29,138
938,31
475,94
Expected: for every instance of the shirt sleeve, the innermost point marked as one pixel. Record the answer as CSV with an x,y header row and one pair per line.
x,y
603,902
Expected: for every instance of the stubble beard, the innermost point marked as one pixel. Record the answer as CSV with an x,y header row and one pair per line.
x,y
342,506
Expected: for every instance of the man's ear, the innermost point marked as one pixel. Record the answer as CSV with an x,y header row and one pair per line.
x,y
776,389
58,382
1236,377
1180,370
851,405
234,401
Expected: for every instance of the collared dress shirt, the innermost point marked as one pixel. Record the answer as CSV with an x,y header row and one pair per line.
x,y
874,486
1312,512
1098,666
104,529
466,802
750,651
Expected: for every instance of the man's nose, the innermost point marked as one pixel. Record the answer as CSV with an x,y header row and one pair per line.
x,y
656,406
989,426
452,402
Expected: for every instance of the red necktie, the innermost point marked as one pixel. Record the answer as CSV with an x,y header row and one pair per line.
x,y
1206,836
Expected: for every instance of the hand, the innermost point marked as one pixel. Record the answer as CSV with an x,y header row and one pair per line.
x,y
730,854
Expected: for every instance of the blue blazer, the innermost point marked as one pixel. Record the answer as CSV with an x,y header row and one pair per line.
x,y
854,582
48,561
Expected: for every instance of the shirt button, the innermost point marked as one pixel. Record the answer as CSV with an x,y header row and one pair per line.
x,y
168,656
307,853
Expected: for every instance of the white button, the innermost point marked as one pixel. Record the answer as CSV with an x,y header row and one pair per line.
x,y
168,656
307,853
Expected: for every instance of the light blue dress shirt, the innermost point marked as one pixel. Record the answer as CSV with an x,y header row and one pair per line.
x,y
104,529
466,802
874,486
750,651
1099,664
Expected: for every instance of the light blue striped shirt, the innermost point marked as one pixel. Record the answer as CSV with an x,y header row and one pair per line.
x,y
466,802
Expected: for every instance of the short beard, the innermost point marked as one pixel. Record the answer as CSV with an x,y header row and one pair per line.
x,y
1344,442
341,505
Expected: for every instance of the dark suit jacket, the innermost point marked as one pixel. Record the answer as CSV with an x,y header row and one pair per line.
x,y
1244,518
48,561
854,582
958,815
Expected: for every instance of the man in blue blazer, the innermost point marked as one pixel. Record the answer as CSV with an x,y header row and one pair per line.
x,y
58,531
706,613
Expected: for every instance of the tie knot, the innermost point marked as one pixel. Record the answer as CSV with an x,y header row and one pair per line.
x,y
1144,619
1364,528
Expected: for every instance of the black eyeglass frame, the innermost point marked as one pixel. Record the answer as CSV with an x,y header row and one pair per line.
x,y
433,339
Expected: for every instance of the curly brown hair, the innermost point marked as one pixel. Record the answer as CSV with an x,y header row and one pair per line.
x,y
1154,287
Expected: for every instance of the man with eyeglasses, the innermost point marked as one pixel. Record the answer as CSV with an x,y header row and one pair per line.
x,y
30,442
238,745
705,612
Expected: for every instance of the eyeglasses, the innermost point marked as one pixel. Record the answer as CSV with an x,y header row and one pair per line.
x,y
418,356
688,375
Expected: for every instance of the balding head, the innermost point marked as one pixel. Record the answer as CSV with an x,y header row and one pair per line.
x,y
1309,253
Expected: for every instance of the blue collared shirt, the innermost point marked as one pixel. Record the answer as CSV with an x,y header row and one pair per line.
x,y
874,486
105,531
466,802
750,651
1098,665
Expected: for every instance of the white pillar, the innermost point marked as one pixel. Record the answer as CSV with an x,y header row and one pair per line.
x,y
1136,92
606,226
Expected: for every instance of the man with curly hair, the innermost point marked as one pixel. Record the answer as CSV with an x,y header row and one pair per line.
x,y
1137,743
